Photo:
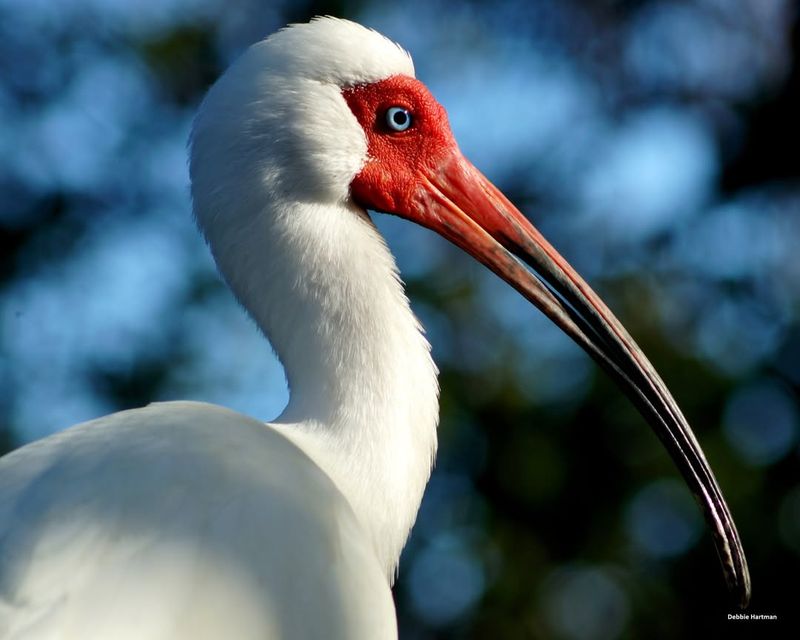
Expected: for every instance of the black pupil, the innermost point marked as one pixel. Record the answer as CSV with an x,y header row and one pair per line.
x,y
400,118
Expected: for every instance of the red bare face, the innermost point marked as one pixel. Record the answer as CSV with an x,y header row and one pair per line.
x,y
397,158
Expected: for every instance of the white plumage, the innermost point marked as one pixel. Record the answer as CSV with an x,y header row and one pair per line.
x,y
181,520
185,520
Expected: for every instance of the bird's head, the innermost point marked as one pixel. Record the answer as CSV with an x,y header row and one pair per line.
x,y
331,111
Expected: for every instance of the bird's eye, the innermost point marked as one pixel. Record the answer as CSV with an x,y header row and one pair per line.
x,y
398,118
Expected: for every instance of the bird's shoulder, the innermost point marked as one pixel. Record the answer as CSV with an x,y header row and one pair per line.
x,y
179,520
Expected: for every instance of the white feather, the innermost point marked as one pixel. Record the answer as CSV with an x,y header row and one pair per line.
x,y
185,520
181,520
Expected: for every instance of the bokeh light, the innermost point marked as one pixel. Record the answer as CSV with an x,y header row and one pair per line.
x,y
662,520
760,423
585,603
445,581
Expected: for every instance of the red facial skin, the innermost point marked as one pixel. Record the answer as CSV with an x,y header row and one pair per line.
x,y
420,174
390,178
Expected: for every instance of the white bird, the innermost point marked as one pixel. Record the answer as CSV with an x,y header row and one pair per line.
x,y
188,520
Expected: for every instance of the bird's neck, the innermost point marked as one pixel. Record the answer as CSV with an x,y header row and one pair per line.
x,y
322,285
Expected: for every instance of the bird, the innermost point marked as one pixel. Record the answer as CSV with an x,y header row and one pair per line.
x,y
189,520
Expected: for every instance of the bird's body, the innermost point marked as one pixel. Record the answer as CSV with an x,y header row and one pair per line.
x,y
227,524
186,520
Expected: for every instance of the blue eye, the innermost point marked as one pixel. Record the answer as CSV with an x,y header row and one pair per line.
x,y
398,119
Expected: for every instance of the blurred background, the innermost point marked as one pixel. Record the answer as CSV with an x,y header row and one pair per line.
x,y
655,143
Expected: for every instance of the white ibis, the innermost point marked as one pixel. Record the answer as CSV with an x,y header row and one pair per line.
x,y
188,520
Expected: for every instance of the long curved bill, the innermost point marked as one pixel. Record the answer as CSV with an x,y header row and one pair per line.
x,y
459,203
